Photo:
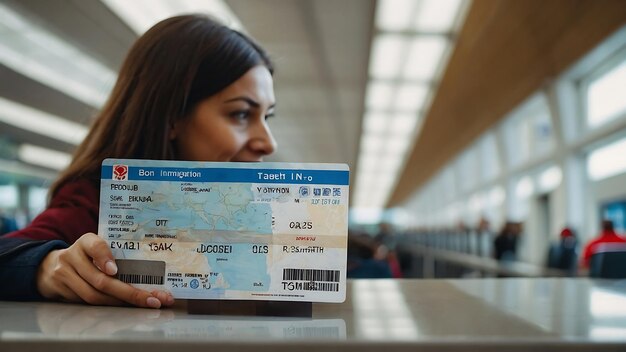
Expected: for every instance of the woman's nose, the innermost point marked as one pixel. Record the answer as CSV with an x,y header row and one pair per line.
x,y
262,141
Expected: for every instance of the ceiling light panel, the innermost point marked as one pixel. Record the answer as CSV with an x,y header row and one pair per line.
x,y
35,53
391,163
412,43
140,15
379,95
386,178
395,15
397,146
48,158
424,57
42,123
378,199
388,54
19,168
376,122
369,163
369,177
402,124
411,97
372,143
437,15
364,187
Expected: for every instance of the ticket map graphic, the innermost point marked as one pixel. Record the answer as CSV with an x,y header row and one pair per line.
x,y
210,230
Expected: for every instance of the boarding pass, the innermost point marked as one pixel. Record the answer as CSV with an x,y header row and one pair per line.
x,y
213,230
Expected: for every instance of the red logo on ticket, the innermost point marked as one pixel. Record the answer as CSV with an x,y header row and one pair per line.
x,y
120,172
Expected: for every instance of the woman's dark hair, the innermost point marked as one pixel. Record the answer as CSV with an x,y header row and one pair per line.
x,y
167,72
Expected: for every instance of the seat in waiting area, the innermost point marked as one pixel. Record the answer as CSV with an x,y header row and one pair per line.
x,y
609,261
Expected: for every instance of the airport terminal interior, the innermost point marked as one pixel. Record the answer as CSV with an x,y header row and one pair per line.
x,y
486,142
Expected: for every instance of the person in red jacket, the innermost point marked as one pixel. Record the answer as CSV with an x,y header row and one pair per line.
x,y
608,235
190,88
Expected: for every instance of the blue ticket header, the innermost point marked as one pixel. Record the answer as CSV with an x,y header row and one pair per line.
x,y
223,172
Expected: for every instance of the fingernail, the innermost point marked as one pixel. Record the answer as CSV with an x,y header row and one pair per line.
x,y
110,267
153,302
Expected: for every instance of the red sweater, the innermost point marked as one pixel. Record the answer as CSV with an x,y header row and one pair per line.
x,y
606,237
72,212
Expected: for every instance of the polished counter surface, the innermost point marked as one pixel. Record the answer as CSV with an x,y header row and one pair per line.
x,y
423,315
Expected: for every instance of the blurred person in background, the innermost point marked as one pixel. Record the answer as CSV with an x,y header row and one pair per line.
x,y
505,244
563,254
386,235
388,238
483,238
367,259
607,235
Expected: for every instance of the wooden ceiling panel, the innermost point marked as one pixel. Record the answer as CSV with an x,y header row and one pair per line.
x,y
505,51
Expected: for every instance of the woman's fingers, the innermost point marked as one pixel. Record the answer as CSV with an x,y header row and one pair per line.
x,y
67,294
166,298
97,249
88,294
116,288
58,279
94,249
83,272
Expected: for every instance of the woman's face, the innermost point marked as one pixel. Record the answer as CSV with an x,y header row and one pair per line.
x,y
230,125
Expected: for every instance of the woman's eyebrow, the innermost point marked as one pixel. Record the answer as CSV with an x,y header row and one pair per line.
x,y
248,100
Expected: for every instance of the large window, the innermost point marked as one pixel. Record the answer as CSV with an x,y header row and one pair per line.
x,y
607,161
606,95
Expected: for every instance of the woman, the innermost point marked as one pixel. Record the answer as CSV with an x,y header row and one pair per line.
x,y
189,89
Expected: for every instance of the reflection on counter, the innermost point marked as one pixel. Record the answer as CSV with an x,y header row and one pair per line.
x,y
608,310
62,321
567,307
256,328
381,311
561,314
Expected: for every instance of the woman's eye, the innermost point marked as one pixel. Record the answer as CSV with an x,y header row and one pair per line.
x,y
240,115
270,115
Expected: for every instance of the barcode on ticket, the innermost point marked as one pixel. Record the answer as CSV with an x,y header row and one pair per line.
x,y
311,275
141,279
145,272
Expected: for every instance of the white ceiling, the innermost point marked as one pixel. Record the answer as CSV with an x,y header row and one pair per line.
x,y
320,49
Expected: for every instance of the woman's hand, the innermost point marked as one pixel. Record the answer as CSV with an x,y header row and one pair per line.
x,y
83,273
